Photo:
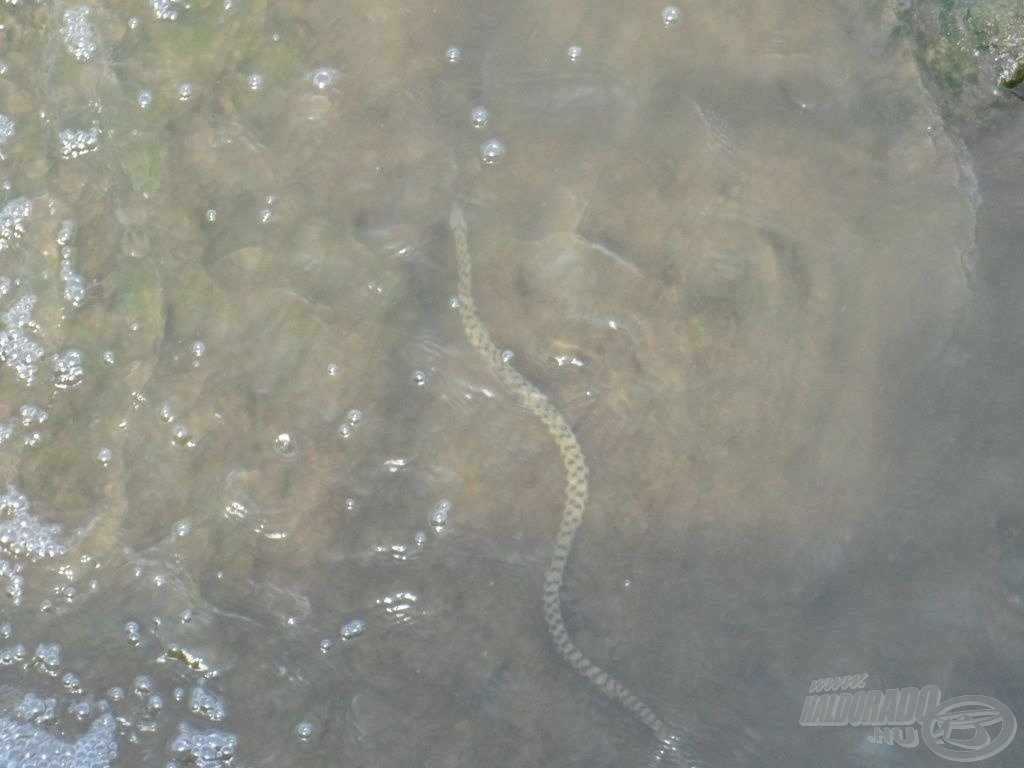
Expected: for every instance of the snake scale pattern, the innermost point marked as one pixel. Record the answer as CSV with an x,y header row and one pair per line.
x,y
576,490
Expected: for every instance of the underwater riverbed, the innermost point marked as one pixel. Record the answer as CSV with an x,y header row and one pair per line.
x,y
263,502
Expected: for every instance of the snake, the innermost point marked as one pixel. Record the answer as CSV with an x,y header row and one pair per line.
x,y
575,504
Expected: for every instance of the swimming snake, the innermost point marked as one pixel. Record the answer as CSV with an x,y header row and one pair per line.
x,y
576,492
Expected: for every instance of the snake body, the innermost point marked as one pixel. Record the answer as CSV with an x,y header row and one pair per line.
x,y
576,492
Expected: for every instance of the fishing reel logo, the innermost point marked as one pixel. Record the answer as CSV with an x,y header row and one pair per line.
x,y
963,729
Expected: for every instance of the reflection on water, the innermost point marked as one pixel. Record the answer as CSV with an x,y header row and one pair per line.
x,y
264,505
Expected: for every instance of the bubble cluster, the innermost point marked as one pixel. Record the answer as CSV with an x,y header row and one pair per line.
x,y
165,10
352,419
6,128
77,142
133,634
47,657
14,654
11,574
439,517
18,350
399,606
352,629
68,369
13,218
24,744
32,415
205,704
77,33
74,283
34,709
21,533
203,749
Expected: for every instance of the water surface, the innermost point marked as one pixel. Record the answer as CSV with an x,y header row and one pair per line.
x,y
275,510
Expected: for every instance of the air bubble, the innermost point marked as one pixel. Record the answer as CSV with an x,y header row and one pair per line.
x,y
198,349
345,431
143,686
419,378
255,81
574,52
265,215
670,14
104,456
322,78
284,444
353,629
181,436
350,504
354,416
182,528
304,730
154,705
326,644
211,215
184,92
109,358
144,99
479,117
507,355
453,55
492,151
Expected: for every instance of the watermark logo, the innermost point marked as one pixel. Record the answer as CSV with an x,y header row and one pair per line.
x,y
963,729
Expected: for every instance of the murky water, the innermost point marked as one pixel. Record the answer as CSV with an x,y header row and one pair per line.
x,y
266,505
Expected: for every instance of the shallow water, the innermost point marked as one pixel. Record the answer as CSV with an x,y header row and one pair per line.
x,y
273,507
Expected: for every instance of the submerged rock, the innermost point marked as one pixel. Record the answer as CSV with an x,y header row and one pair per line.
x,y
966,48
